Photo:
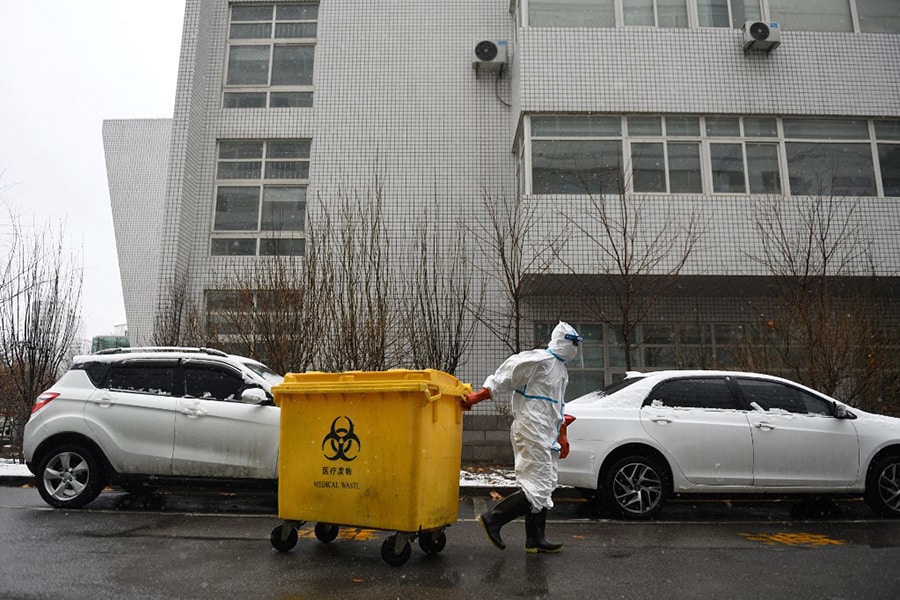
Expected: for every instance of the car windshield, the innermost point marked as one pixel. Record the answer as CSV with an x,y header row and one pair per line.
x,y
618,385
265,372
609,390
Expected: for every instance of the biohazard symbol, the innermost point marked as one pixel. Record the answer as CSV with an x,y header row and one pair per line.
x,y
341,442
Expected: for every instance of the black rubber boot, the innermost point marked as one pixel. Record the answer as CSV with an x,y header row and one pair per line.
x,y
535,541
513,506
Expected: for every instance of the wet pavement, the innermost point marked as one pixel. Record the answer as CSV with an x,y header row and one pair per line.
x,y
215,545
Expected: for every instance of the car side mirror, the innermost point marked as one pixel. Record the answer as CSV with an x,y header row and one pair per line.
x,y
841,412
254,395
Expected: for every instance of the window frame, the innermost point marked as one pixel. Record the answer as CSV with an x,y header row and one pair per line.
x,y
144,365
266,159
273,94
802,395
759,10
190,365
734,405
749,135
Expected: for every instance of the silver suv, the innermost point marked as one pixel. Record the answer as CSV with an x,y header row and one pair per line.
x,y
140,417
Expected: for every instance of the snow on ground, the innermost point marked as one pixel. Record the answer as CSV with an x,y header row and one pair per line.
x,y
476,476
10,468
471,476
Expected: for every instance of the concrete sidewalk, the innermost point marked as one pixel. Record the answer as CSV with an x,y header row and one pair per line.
x,y
480,481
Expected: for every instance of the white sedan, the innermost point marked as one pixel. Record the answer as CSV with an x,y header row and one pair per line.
x,y
653,435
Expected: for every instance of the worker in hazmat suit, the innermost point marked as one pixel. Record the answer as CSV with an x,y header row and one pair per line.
x,y
534,382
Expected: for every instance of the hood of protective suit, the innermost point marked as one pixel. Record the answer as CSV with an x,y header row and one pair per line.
x,y
564,341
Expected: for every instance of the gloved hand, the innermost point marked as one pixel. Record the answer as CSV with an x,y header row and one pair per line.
x,y
564,436
563,442
471,399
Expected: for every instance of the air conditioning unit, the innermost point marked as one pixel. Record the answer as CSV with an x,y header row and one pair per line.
x,y
489,55
761,36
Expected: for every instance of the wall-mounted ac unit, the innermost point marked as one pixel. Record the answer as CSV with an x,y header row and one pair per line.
x,y
761,36
489,55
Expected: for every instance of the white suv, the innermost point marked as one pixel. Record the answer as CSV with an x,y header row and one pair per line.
x,y
141,417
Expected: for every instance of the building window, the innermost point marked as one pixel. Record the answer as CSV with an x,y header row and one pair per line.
x,y
271,50
576,154
224,309
660,166
574,13
727,13
727,166
655,13
260,204
687,154
741,165
879,16
822,15
888,135
829,157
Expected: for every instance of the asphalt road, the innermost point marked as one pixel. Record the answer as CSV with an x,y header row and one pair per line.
x,y
217,546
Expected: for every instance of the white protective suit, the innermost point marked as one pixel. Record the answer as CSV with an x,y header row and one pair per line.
x,y
535,382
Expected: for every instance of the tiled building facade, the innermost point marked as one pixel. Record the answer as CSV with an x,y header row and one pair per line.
x,y
283,105
137,154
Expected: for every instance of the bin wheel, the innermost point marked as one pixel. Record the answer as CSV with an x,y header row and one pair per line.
x,y
432,542
326,532
281,543
389,554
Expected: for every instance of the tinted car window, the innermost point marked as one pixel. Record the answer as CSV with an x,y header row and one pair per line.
x,y
95,371
707,392
207,381
148,378
774,395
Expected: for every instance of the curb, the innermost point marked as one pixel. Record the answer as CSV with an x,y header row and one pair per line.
x,y
475,490
464,490
16,480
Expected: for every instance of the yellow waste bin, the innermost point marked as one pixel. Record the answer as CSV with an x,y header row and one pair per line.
x,y
370,449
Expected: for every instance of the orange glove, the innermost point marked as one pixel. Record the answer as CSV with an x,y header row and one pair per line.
x,y
563,442
564,436
473,398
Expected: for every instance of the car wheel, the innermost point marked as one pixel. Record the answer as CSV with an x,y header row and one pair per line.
x,y
883,487
70,477
635,487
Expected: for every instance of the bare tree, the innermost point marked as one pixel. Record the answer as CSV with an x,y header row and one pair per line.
x,y
270,310
357,265
346,304
40,297
439,312
640,247
514,257
179,319
824,325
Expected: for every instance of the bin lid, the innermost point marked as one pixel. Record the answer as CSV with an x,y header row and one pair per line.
x,y
393,380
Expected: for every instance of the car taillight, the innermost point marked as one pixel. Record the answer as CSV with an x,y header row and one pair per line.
x,y
568,419
42,401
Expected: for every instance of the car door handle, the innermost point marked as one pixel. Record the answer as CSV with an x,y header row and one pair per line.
x,y
764,425
104,401
661,420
